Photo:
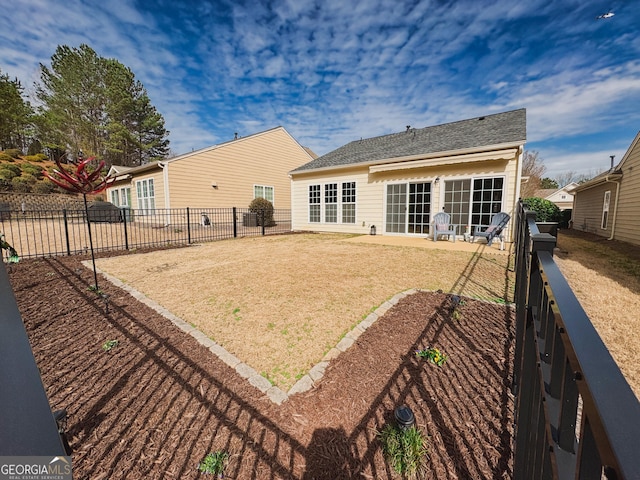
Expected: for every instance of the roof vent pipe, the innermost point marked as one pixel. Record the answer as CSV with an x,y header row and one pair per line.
x,y
235,136
408,128
612,157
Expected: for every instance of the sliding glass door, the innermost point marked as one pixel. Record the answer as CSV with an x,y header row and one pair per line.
x,y
408,208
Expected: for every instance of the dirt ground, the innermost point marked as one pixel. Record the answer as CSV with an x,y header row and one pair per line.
x,y
281,303
605,276
154,405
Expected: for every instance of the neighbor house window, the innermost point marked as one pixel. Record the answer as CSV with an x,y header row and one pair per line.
x,y
605,209
146,196
331,202
121,197
262,191
348,202
314,203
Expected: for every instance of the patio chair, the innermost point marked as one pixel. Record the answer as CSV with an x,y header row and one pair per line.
x,y
442,226
495,228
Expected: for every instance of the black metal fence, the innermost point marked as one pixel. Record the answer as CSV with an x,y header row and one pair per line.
x,y
38,233
576,416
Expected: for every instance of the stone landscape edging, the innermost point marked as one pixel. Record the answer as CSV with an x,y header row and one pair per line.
x,y
275,394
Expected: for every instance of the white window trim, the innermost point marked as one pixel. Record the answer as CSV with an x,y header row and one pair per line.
x,y
273,192
606,203
338,204
152,208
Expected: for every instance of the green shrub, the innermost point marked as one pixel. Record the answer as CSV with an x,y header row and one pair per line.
x,y
5,158
13,152
263,208
32,170
21,185
17,171
27,177
6,174
43,187
5,185
37,158
546,211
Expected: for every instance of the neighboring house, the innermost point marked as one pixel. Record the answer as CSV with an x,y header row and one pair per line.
x,y
609,204
560,196
396,183
230,174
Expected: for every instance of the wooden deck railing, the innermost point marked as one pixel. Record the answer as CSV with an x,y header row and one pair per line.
x,y
576,416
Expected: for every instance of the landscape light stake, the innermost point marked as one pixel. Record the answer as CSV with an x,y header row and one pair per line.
x,y
86,183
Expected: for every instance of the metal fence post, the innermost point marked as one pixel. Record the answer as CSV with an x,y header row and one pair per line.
x,y
66,231
262,221
235,223
124,221
188,227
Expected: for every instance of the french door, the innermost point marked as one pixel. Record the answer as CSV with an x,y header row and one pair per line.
x,y
408,208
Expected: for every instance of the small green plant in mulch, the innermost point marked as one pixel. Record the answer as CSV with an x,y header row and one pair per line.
x,y
404,449
214,463
434,355
109,344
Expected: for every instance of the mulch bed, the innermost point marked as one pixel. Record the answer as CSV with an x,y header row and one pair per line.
x,y
158,402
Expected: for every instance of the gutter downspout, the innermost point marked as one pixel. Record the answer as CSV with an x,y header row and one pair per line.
x,y
518,187
167,199
615,208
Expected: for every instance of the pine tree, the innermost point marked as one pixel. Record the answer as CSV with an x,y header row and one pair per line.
x,y
15,115
95,105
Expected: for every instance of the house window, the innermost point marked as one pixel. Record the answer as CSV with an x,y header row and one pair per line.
x,y
261,191
331,202
314,203
605,209
121,197
348,202
146,196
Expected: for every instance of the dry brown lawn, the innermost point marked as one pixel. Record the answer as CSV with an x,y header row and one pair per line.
x,y
605,277
280,303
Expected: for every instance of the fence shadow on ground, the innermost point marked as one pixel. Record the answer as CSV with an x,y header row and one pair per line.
x,y
159,402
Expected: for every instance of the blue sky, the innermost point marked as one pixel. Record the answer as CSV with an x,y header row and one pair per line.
x,y
333,71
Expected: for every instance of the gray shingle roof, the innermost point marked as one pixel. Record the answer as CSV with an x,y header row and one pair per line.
x,y
499,128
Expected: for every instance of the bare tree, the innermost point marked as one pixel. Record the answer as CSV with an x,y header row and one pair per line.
x,y
533,168
566,178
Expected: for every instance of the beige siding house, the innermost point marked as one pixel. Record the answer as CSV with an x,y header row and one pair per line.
x,y
562,197
396,183
609,204
230,174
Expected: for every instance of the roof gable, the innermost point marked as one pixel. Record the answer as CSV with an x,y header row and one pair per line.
x,y
490,130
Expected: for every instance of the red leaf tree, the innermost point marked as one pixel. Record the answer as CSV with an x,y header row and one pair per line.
x,y
86,182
